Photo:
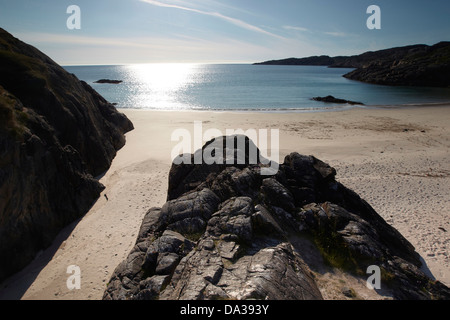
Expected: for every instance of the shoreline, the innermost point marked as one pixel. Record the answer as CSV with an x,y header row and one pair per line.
x,y
397,159
336,108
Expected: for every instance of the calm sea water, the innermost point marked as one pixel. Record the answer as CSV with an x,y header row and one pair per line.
x,y
242,87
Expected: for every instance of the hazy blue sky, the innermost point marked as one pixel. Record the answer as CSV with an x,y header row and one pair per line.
x,y
140,31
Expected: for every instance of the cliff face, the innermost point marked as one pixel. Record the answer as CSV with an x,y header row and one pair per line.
x,y
227,232
56,133
416,65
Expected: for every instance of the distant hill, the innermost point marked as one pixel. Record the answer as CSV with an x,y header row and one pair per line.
x,y
415,65
310,61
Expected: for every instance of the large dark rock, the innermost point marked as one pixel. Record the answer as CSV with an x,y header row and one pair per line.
x,y
228,232
56,134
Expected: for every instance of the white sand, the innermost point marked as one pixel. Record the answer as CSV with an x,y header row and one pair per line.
x,y
403,174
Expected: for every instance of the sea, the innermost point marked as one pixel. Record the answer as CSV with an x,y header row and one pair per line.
x,y
244,87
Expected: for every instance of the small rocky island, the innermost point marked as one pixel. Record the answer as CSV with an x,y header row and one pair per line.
x,y
108,81
227,232
331,99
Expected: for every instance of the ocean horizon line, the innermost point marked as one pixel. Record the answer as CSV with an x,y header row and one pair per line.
x,y
153,63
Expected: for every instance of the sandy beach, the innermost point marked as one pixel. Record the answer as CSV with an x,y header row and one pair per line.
x,y
398,159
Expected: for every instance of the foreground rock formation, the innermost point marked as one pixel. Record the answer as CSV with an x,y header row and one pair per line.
x,y
228,232
56,134
415,65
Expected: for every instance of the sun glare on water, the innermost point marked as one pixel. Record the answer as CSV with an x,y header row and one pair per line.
x,y
161,84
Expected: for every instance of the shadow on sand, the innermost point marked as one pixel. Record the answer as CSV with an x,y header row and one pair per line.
x,y
17,285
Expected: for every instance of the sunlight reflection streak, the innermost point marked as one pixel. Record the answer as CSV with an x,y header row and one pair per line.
x,y
161,84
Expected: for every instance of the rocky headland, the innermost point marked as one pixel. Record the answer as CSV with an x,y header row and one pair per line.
x,y
415,65
56,135
228,232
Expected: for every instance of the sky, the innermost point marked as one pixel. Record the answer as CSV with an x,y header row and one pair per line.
x,y
219,31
